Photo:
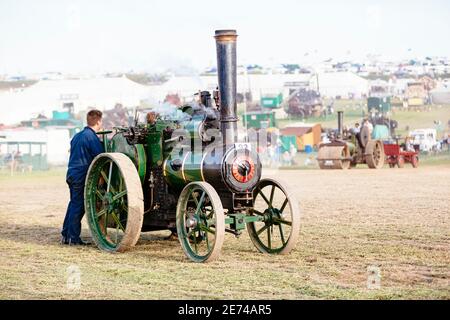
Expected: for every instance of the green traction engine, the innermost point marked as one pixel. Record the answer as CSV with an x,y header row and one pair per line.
x,y
186,172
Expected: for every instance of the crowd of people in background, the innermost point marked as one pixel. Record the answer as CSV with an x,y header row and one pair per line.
x,y
275,154
12,161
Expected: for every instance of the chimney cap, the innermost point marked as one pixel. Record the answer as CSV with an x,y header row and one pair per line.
x,y
225,35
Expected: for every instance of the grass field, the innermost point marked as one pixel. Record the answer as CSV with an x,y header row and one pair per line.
x,y
396,220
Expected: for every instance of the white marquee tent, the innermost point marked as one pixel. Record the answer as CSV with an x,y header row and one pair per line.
x,y
344,84
103,93
330,84
48,95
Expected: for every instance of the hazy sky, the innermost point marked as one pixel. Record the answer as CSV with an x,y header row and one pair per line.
x,y
99,36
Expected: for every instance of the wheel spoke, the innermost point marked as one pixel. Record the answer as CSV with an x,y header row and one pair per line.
x,y
264,197
284,205
279,220
187,235
194,197
272,192
103,174
109,176
262,229
117,221
105,178
207,241
195,242
119,195
259,213
117,233
206,229
269,239
106,222
281,234
99,194
210,214
200,203
101,212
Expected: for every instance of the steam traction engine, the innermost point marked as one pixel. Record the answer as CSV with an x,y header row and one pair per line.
x,y
151,177
348,149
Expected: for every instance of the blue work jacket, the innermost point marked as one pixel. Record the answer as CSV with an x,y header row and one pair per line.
x,y
84,147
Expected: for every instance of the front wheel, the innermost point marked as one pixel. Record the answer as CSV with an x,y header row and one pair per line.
x,y
277,233
200,222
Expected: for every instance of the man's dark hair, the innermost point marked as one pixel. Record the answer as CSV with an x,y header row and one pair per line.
x,y
93,116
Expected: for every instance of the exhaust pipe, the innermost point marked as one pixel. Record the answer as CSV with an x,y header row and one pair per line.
x,y
340,124
227,77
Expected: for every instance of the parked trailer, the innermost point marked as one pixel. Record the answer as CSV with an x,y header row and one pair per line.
x,y
396,156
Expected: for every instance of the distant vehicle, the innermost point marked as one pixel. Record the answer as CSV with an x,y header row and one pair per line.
x,y
349,148
304,103
271,101
398,155
415,95
379,108
425,139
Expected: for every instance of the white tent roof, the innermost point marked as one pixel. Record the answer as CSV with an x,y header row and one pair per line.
x,y
334,84
48,95
330,84
257,83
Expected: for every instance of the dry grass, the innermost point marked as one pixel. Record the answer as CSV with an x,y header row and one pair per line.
x,y
395,219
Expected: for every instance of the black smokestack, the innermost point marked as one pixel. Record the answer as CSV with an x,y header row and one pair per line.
x,y
340,123
226,70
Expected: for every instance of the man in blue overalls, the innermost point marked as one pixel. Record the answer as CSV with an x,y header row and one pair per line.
x,y
84,147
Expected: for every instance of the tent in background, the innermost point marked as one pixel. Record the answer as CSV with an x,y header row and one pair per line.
x,y
48,95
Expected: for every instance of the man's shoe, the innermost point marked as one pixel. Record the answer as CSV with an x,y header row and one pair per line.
x,y
74,243
79,243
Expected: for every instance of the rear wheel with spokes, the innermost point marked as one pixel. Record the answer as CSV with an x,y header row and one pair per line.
x,y
114,202
278,231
